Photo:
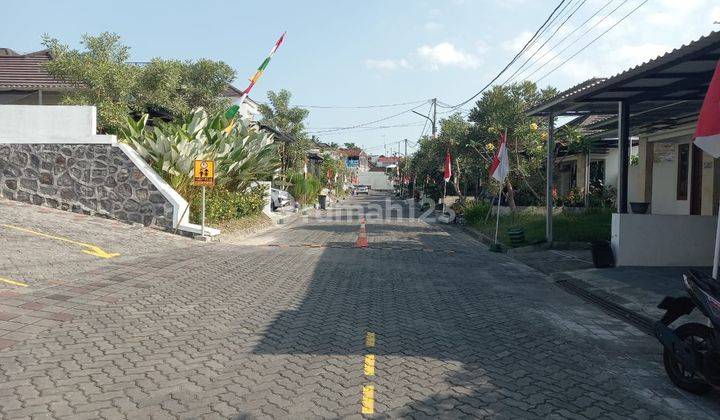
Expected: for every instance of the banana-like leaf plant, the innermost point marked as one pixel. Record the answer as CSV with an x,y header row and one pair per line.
x,y
243,153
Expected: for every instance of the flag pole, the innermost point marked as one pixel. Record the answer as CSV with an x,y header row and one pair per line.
x,y
444,195
716,258
497,218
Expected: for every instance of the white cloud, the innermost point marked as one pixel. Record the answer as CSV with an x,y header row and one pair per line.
x,y
433,26
446,54
433,57
387,65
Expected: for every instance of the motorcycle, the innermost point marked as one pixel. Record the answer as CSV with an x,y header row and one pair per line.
x,y
691,353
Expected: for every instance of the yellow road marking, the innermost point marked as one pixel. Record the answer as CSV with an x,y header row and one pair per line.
x,y
370,365
370,339
91,249
368,400
13,282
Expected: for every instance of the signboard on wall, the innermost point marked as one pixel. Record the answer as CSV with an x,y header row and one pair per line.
x,y
664,152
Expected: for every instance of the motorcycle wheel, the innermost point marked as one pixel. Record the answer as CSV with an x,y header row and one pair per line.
x,y
699,337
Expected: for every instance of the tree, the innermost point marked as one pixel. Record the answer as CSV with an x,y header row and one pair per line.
x,y
351,145
454,132
290,120
280,115
102,76
504,107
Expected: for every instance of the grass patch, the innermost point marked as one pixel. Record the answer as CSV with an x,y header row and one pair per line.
x,y
591,225
246,224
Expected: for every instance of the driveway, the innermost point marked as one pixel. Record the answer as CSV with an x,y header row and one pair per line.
x,y
360,310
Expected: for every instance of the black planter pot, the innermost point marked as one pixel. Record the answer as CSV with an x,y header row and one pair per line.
x,y
639,208
602,254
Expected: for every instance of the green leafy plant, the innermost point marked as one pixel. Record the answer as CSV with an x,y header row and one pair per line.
x,y
243,154
223,205
304,187
476,212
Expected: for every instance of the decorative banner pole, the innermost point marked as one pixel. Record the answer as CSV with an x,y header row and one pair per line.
x,y
230,114
262,68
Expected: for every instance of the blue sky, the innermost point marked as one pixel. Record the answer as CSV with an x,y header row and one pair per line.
x,y
342,53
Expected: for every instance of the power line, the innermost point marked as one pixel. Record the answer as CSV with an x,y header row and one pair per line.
x,y
572,13
330,130
545,29
514,58
538,60
370,122
567,47
593,41
363,106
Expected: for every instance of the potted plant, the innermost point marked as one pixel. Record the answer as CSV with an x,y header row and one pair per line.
x,y
639,207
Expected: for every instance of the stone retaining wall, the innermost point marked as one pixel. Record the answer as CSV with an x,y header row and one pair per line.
x,y
96,179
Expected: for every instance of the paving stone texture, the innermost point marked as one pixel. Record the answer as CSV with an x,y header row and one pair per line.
x,y
83,178
174,328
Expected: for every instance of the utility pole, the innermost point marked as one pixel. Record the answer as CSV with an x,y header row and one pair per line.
x,y
405,162
434,119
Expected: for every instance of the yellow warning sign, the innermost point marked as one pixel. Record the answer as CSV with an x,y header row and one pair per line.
x,y
204,173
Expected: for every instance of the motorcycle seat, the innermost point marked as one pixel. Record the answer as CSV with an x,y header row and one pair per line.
x,y
705,282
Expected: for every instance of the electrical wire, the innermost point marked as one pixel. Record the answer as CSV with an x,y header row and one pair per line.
x,y
379,127
593,41
513,60
572,13
567,47
551,49
370,122
363,106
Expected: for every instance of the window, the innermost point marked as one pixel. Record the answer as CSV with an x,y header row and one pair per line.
x,y
597,173
683,169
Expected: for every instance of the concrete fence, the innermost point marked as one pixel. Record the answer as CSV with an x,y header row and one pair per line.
x,y
52,156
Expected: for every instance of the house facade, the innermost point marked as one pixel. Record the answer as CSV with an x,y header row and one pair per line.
x,y
658,102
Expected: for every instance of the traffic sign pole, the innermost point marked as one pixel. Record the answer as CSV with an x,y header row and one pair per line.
x,y
202,217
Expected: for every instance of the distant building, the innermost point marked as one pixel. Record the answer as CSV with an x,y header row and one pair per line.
x,y
385,161
355,159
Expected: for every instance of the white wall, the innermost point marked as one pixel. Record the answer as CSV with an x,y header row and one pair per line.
x,y
249,110
50,124
376,180
611,167
664,183
634,184
663,240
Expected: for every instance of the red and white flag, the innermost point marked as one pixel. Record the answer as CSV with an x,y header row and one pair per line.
x,y
707,134
448,167
500,165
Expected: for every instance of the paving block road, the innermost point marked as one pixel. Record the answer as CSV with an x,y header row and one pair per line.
x,y
360,311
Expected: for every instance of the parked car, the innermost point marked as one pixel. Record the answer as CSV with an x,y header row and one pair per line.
x,y
280,199
362,189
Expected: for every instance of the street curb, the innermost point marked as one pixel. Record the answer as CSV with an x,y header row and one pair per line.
x,y
606,303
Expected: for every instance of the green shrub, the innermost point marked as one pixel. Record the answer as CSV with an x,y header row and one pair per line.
x,y
223,205
476,212
304,187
